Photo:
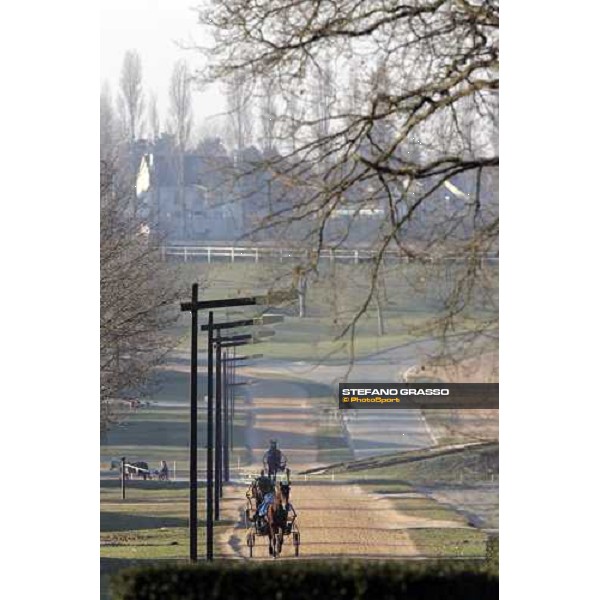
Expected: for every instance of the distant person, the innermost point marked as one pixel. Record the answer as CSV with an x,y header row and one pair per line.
x,y
273,459
163,473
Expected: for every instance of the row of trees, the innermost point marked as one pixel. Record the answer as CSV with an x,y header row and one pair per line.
x,y
135,115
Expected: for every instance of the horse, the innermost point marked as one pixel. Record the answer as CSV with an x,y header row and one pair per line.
x,y
276,522
138,468
132,468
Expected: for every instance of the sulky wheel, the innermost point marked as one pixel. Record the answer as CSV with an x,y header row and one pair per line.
x,y
296,541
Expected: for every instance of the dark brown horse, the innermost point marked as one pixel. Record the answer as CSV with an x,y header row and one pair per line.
x,y
276,521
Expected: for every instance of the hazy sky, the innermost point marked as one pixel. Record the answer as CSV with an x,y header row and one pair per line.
x,y
153,27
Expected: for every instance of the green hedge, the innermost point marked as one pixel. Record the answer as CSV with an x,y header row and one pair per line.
x,y
296,580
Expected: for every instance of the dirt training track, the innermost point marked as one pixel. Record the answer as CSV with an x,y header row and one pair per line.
x,y
335,518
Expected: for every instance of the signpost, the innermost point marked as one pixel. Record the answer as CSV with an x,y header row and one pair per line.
x,y
194,307
209,443
193,508
123,478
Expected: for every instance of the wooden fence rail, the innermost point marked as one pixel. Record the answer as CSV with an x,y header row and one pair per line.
x,y
255,254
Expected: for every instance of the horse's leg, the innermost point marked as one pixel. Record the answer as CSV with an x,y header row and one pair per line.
x,y
269,530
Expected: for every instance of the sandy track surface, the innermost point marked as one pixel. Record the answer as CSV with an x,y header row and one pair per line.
x,y
335,519
285,413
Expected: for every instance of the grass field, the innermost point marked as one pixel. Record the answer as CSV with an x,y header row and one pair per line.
x,y
412,299
454,487
453,543
342,288
150,525
161,431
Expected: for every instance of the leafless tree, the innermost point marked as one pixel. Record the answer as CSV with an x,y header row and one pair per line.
x,y
324,96
137,295
153,117
425,68
292,118
108,122
180,97
239,94
132,95
300,282
268,116
379,308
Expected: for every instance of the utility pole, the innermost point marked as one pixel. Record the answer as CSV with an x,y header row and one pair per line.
x,y
226,424
193,521
221,425
209,443
218,428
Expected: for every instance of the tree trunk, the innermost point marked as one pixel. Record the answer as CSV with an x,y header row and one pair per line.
x,y
302,285
380,326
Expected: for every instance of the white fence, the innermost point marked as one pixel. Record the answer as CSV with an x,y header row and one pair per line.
x,y
281,254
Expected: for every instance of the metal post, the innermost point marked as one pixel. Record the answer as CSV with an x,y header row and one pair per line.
x,y
123,478
218,427
209,443
194,431
233,384
231,391
225,420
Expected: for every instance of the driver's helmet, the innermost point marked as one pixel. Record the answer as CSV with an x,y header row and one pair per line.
x,y
273,444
